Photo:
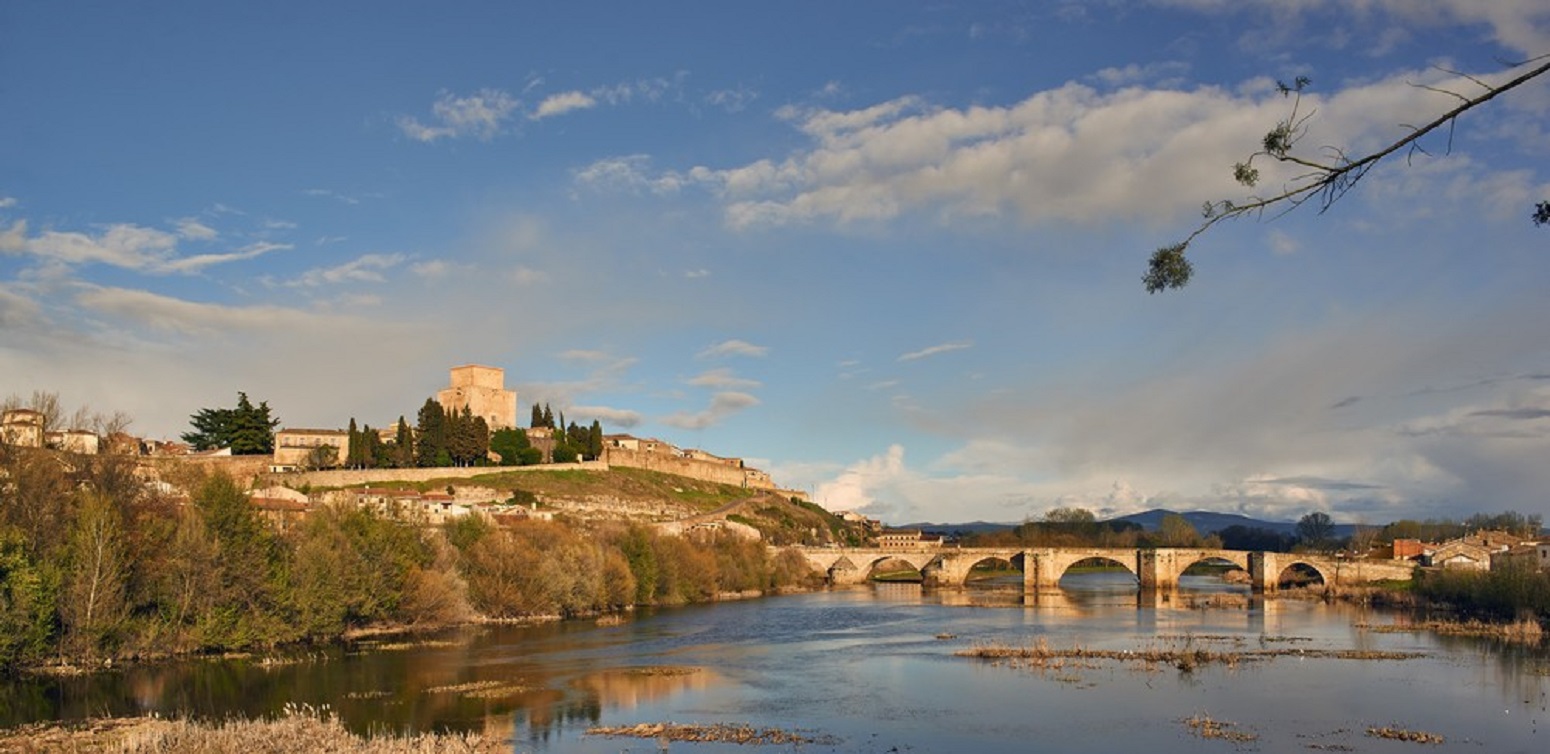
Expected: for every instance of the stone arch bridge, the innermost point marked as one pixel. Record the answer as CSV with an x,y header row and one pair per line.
x,y
1042,568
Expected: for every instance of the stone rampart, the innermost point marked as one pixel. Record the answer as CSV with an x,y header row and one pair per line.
x,y
351,477
717,471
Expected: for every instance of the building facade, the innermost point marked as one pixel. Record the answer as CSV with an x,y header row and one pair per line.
x,y
22,427
310,448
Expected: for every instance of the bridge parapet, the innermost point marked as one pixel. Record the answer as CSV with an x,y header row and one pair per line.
x,y
1158,568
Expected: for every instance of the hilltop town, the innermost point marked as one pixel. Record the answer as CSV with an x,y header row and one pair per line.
x,y
395,470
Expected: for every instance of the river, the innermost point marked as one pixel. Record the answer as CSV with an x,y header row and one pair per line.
x,y
873,669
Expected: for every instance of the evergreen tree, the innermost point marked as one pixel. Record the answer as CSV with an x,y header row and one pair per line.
x,y
353,438
509,444
403,445
595,440
431,436
246,429
548,417
538,417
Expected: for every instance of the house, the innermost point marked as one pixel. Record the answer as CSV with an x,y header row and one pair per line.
x,y
906,539
78,441
1535,555
310,448
22,427
281,513
1459,553
1474,550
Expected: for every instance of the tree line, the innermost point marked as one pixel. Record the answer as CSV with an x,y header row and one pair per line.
x,y
440,437
1314,532
93,565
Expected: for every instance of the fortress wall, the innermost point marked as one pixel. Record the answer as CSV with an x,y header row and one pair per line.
x,y
351,477
719,472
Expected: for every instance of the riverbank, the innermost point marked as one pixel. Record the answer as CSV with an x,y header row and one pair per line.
x,y
299,729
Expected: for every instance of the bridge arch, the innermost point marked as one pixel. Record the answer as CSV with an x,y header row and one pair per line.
x,y
990,563
1306,566
1173,563
1099,561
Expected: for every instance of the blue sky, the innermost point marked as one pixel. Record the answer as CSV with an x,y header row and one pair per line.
x,y
890,252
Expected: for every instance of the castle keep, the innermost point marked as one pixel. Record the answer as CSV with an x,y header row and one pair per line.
x,y
482,390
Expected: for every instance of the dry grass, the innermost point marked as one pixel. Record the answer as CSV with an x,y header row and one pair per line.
x,y
1525,631
299,729
1187,658
1401,734
1205,727
481,689
715,733
661,671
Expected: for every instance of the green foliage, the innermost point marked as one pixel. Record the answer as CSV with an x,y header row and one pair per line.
x,y
1541,214
509,444
1511,591
246,429
96,577
1169,268
431,436
29,595
564,453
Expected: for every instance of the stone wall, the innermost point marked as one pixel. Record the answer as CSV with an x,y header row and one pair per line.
x,y
351,477
717,471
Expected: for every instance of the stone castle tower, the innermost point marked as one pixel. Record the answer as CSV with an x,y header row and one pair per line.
x,y
482,390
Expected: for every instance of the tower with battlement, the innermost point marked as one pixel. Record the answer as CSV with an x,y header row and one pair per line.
x,y
482,390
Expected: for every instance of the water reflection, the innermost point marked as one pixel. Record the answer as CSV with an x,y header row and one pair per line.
x,y
873,664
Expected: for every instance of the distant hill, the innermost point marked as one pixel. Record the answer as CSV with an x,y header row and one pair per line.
x,y
973,527
1207,522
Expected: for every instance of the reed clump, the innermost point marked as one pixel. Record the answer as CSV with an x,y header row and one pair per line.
x,y
1523,630
1186,658
1206,727
299,728
1401,734
734,733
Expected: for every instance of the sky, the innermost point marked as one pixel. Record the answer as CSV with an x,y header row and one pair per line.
x,y
889,252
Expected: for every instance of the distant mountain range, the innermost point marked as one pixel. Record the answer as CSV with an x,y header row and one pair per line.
x,y
1204,522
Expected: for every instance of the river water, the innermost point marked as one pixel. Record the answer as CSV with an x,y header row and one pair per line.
x,y
873,669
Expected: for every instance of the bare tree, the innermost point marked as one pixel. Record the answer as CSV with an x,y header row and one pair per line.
x,y
1328,173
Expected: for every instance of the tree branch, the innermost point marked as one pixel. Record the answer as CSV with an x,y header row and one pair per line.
x,y
1170,269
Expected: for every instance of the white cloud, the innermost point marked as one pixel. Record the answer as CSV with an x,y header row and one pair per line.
x,y
1072,154
7,202
434,268
526,276
17,310
559,104
326,193
723,379
696,274
1164,73
193,318
732,100
1281,243
858,487
935,350
480,115
733,348
201,261
722,405
367,268
610,417
126,246
193,230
